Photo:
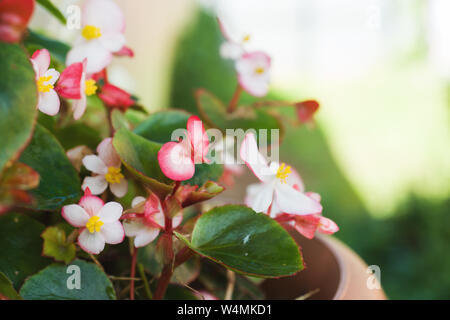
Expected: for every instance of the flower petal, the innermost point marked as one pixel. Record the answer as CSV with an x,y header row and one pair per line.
x,y
98,57
53,74
91,204
41,61
110,212
79,107
95,164
133,227
108,154
327,226
175,161
198,138
69,84
75,215
93,243
253,159
104,14
292,201
176,221
113,233
231,50
145,237
119,189
96,184
261,200
137,201
49,102
112,41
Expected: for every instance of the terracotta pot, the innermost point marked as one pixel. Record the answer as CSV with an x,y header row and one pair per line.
x,y
331,267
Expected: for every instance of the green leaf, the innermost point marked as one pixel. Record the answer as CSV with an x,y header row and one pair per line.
x,y
47,4
159,126
77,134
214,113
7,290
18,100
140,157
205,172
55,281
55,245
20,247
246,242
57,49
59,182
119,120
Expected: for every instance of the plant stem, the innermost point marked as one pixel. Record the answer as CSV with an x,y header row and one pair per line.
x,y
96,261
133,272
72,236
235,99
230,288
144,279
124,278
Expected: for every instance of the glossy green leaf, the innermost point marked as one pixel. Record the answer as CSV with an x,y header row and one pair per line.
x,y
77,134
58,282
159,126
119,120
55,245
7,290
57,49
20,247
140,157
59,182
47,4
205,172
18,100
246,242
214,113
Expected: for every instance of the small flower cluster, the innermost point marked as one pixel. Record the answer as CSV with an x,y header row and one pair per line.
x,y
102,36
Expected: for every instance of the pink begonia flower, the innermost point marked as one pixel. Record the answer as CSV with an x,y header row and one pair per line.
x,y
253,70
147,224
14,18
73,84
102,35
99,222
177,159
115,97
107,169
234,46
274,188
48,102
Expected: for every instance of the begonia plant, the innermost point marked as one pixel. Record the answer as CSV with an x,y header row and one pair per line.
x,y
90,181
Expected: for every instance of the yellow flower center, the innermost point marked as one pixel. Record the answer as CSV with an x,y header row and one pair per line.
x,y
246,38
114,175
260,70
42,86
94,224
91,32
91,87
283,172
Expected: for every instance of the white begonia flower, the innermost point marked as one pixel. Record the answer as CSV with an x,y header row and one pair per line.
x,y
48,100
102,35
253,70
99,222
107,169
273,189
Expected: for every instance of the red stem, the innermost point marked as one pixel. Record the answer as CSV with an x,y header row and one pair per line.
x,y
235,99
133,272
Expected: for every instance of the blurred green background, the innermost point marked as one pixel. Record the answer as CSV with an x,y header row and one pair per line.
x,y
380,151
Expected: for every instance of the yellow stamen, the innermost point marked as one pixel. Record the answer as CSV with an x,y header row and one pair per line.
x,y
94,224
246,38
283,172
42,87
260,70
114,175
91,32
91,87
